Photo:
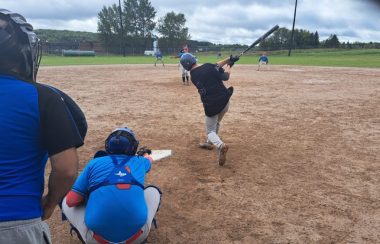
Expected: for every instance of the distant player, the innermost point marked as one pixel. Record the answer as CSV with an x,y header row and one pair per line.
x,y
263,60
159,57
184,73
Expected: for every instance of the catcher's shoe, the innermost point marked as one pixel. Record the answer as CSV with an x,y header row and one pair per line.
x,y
206,145
222,153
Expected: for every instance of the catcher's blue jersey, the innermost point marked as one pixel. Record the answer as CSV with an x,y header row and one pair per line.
x,y
114,213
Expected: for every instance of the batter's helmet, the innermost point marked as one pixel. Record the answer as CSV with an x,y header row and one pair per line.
x,y
122,141
20,49
187,61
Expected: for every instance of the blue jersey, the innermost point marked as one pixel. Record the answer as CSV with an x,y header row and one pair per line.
x,y
158,55
264,59
113,213
34,124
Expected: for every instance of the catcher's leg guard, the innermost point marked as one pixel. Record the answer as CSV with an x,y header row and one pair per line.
x,y
75,216
152,198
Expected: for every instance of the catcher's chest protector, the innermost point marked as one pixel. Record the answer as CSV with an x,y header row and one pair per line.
x,y
119,175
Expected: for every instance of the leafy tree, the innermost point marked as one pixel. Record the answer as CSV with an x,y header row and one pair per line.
x,y
332,42
139,20
137,23
172,29
303,39
146,15
130,13
109,27
279,40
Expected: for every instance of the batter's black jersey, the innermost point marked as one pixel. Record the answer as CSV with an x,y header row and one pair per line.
x,y
208,79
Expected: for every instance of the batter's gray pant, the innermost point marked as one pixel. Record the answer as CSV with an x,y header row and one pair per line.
x,y
29,231
213,125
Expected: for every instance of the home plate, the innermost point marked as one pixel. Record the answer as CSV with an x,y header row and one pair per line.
x,y
160,154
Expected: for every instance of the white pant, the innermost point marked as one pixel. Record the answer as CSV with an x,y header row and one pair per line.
x,y
75,215
261,63
184,72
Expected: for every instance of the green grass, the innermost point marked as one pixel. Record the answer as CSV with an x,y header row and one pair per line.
x,y
60,60
317,57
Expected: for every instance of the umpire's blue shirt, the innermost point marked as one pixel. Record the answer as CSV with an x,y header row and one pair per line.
x,y
34,124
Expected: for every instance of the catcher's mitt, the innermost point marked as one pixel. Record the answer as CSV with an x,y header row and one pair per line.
x,y
143,150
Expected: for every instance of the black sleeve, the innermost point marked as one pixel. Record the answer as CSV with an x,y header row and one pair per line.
x,y
75,111
58,128
225,76
222,75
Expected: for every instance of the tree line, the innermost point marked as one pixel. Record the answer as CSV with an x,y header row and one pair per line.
x,y
304,39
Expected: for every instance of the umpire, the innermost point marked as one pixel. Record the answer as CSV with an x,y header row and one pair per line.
x,y
37,122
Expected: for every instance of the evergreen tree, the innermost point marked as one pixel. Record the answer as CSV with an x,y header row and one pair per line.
x,y
332,42
316,40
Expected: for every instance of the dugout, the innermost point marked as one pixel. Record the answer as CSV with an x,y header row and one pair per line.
x,y
78,53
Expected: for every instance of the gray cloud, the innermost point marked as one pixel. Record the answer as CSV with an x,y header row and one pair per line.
x,y
221,21
56,9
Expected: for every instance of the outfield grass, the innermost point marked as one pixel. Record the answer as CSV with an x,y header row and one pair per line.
x,y
352,58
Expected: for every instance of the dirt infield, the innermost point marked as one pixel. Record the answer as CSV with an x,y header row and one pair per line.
x,y
304,158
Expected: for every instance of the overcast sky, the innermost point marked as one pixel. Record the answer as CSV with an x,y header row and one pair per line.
x,y
221,21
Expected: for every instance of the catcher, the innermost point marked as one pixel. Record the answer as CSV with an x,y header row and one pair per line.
x,y
108,202
208,79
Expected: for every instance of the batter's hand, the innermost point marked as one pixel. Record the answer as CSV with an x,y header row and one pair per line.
x,y
232,60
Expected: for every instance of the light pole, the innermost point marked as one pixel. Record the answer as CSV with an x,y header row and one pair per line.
x,y
122,46
294,21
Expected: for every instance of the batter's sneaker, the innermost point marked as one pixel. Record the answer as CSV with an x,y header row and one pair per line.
x,y
206,145
222,153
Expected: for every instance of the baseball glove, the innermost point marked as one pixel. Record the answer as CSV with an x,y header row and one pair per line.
x,y
143,150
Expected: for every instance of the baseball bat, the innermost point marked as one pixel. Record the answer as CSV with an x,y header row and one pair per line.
x,y
260,39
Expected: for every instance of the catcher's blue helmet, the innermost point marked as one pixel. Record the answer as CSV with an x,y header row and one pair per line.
x,y
122,141
187,61
20,49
